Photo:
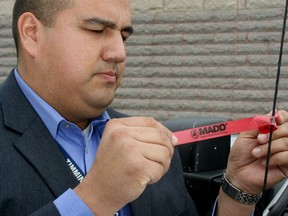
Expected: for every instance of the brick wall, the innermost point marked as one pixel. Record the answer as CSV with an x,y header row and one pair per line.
x,y
194,58
7,50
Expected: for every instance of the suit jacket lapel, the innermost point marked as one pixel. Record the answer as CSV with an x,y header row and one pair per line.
x,y
38,146
35,142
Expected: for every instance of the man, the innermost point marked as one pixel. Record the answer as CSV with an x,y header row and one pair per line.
x,y
71,59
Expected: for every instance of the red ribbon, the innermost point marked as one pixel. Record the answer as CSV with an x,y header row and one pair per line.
x,y
261,123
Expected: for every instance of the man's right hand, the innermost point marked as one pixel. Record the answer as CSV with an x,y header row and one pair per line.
x,y
133,153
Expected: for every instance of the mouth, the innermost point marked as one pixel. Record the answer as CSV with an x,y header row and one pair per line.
x,y
109,76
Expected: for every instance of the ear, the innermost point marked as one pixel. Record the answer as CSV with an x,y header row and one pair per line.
x,y
28,27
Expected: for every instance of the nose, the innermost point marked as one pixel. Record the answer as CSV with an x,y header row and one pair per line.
x,y
115,51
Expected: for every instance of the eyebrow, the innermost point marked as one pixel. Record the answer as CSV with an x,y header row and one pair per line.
x,y
107,23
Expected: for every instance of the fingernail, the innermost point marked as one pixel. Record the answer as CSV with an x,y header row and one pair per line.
x,y
174,140
256,151
262,137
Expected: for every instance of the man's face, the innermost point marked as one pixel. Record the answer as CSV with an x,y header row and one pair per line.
x,y
82,57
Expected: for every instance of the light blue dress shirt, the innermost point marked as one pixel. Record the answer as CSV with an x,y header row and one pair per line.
x,y
80,145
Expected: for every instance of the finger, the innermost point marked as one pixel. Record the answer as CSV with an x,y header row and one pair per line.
x,y
282,117
279,159
282,122
279,145
152,136
153,172
281,132
141,122
158,154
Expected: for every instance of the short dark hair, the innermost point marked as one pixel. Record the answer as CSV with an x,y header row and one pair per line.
x,y
45,10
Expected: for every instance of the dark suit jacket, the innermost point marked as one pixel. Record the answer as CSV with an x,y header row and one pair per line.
x,y
33,171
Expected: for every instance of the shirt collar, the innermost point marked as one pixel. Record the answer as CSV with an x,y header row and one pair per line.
x,y
47,113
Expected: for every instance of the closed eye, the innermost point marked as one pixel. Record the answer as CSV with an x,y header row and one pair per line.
x,y
96,31
100,31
